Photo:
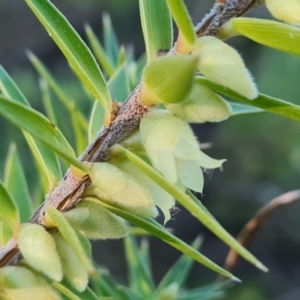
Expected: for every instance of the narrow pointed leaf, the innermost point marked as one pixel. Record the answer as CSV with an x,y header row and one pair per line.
x,y
140,280
193,207
71,237
9,212
80,135
99,51
39,127
75,50
179,272
183,21
104,285
267,103
66,100
110,40
65,291
15,182
46,159
48,103
159,231
157,26
273,34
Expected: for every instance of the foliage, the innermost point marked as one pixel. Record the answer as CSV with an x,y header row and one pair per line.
x,y
144,158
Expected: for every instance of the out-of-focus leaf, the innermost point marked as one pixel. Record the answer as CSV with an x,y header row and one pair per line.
x,y
47,101
67,101
157,26
110,40
15,182
46,159
71,237
75,50
267,103
144,254
99,51
210,292
9,212
159,231
39,127
183,21
179,272
119,88
239,109
140,280
121,56
273,34
194,207
104,285
80,136
118,85
129,294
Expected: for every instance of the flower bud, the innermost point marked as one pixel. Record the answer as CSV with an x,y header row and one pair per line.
x,y
73,269
121,189
160,197
39,249
287,11
96,222
221,64
162,84
20,283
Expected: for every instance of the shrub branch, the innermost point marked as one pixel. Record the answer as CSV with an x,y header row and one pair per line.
x,y
68,192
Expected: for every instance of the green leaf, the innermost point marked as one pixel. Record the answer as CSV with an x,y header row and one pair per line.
x,y
273,34
47,101
267,103
110,40
239,109
183,21
129,294
104,285
15,182
39,127
119,88
71,237
77,53
162,85
157,26
99,51
65,99
159,231
140,281
192,206
46,159
9,212
179,272
80,135
210,292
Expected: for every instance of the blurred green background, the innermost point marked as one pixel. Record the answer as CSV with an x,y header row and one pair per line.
x,y
262,150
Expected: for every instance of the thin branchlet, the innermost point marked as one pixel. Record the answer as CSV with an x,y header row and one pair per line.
x,y
68,192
